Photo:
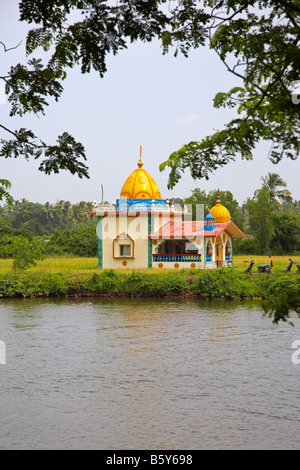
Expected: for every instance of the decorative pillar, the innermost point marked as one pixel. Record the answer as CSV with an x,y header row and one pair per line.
x,y
149,242
100,250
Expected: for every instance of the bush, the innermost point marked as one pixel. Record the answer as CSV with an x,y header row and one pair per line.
x,y
52,284
224,283
14,286
32,285
284,283
24,252
136,283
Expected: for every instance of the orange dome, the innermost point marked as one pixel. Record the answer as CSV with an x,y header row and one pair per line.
x,y
219,212
140,185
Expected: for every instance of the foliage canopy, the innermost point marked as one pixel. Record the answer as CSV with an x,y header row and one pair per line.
x,y
258,42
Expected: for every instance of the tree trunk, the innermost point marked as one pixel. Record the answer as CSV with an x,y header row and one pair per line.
x,y
266,237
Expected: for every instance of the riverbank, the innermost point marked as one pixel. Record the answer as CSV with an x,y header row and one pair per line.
x,y
226,283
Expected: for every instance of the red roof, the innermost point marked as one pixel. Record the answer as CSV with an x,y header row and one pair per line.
x,y
190,229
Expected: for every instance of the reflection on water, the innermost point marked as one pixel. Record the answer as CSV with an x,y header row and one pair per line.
x,y
146,374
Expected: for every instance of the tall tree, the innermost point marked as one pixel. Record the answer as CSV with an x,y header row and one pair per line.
x,y
259,218
48,211
271,183
287,233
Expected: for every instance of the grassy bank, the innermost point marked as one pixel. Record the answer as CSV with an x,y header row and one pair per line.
x,y
66,265
226,283
73,265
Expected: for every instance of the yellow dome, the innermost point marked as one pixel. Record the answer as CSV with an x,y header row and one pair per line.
x,y
219,212
140,185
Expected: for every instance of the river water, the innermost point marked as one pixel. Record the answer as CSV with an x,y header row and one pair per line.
x,y
146,374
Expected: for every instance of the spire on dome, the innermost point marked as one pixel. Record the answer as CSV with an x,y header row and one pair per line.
x,y
140,163
139,184
219,212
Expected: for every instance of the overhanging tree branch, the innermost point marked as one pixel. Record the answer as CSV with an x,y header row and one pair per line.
x,y
7,49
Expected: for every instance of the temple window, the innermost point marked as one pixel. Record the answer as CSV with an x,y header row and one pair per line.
x,y
123,246
125,250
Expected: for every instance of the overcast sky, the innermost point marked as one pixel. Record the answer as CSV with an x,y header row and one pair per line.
x,y
159,102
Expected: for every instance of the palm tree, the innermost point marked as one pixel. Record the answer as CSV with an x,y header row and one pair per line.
x,y
48,210
271,184
24,210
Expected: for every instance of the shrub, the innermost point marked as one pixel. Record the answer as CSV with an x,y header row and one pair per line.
x,y
224,283
52,284
283,283
24,252
137,283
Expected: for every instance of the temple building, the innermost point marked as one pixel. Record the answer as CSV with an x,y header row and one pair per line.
x,y
141,230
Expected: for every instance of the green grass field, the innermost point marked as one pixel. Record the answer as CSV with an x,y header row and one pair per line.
x,y
90,265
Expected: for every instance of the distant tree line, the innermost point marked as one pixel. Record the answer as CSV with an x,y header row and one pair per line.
x,y
270,219
62,228
44,219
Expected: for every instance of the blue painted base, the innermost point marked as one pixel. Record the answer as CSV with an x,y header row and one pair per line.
x,y
139,204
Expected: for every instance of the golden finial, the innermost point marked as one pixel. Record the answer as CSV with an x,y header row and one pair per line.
x,y
140,163
218,196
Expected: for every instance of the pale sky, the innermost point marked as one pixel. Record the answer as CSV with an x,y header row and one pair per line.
x,y
145,98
